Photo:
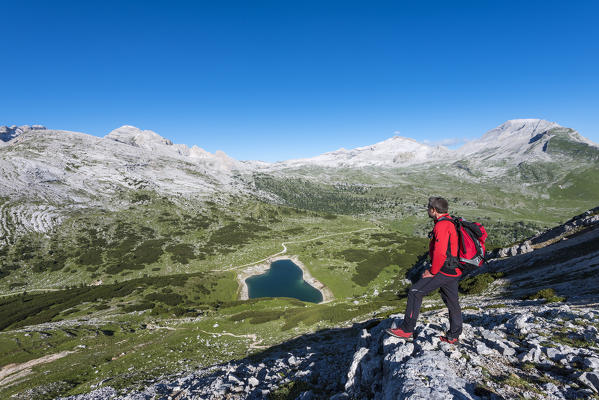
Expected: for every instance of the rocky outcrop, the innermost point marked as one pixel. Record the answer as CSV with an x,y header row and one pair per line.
x,y
150,140
516,249
136,137
8,133
574,225
567,265
500,349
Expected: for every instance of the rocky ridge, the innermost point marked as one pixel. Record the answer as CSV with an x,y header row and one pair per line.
x,y
516,138
46,175
8,133
395,151
515,141
150,140
572,226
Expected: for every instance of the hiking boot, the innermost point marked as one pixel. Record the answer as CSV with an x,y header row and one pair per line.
x,y
399,333
449,340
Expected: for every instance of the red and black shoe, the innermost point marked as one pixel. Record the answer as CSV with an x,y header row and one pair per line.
x,y
449,340
399,333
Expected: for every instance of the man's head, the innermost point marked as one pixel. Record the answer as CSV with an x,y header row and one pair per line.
x,y
437,206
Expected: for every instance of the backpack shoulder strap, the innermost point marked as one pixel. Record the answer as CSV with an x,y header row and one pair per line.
x,y
445,219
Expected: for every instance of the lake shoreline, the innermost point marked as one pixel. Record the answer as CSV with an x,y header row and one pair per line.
x,y
261,268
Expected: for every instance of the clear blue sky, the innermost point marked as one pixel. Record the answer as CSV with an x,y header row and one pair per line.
x,y
274,80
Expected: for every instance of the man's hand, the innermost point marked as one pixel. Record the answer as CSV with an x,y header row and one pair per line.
x,y
427,274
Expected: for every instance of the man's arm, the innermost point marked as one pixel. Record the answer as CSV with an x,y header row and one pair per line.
x,y
441,238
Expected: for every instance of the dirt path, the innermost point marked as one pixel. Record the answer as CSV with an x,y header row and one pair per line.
x,y
11,372
284,244
30,290
253,336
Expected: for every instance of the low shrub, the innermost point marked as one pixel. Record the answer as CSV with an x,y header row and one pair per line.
x,y
181,252
294,231
171,299
548,295
479,283
288,391
500,305
159,309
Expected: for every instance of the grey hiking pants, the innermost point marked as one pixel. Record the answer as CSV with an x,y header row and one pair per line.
x,y
448,286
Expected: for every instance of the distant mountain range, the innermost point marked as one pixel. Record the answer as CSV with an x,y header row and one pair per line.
x,y
45,173
519,139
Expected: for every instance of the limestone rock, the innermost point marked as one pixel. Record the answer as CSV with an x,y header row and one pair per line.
x,y
591,362
591,380
8,133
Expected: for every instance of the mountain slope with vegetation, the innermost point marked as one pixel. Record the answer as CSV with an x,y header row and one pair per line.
x,y
120,256
537,343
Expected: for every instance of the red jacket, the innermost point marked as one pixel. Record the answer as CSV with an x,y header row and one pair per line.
x,y
444,234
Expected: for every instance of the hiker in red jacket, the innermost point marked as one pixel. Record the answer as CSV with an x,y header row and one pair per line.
x,y
443,275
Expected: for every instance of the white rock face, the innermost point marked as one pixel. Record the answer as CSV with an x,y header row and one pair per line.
x,y
396,151
8,133
510,136
64,170
152,141
520,139
136,137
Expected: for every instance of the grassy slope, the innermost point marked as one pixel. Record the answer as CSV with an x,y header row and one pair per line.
x,y
156,238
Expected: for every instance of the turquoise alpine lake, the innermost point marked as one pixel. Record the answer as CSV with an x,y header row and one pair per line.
x,y
283,279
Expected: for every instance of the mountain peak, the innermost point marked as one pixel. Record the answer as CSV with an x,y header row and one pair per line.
x,y
516,121
398,140
513,137
394,151
150,140
134,136
526,126
521,127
